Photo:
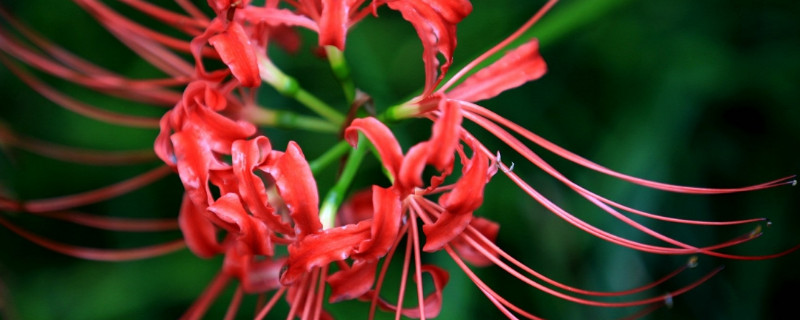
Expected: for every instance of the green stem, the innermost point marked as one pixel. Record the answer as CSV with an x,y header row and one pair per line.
x,y
335,197
342,72
329,157
289,87
290,120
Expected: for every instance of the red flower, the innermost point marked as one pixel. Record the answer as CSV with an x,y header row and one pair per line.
x,y
259,207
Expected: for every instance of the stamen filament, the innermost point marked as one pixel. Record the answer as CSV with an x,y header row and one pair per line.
x,y
95,253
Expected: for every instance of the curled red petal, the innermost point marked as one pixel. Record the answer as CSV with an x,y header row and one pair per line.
x,y
193,161
446,134
277,17
235,50
163,145
250,231
198,232
435,22
467,195
381,137
354,282
385,224
515,68
410,174
255,275
319,249
298,189
247,155
488,229
333,23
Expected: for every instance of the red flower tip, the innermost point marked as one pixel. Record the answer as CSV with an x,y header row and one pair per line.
x,y
298,189
354,282
381,137
467,196
333,23
515,68
198,232
235,50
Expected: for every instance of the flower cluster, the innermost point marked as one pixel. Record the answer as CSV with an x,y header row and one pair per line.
x,y
258,204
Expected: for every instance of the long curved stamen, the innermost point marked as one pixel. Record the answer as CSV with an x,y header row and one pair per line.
x,y
193,10
531,156
591,165
72,154
591,302
473,237
417,264
201,305
265,310
113,20
496,299
551,291
638,245
233,307
386,261
74,69
320,294
113,223
97,195
95,253
404,276
179,21
75,106
310,298
527,25
474,234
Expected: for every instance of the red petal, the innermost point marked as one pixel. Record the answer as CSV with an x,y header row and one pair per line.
x,y
333,23
489,230
467,195
381,137
413,164
354,282
198,232
468,192
385,224
251,232
435,22
445,136
193,162
256,276
246,156
319,249
233,46
277,17
515,68
163,145
298,189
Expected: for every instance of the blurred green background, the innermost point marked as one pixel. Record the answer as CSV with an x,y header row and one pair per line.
x,y
686,92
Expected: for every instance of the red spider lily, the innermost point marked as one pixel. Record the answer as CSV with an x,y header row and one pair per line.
x,y
247,201
447,107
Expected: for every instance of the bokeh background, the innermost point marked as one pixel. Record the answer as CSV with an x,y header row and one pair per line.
x,y
686,92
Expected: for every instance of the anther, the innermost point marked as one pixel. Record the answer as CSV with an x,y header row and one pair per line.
x,y
755,231
769,223
693,262
511,168
794,183
668,300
